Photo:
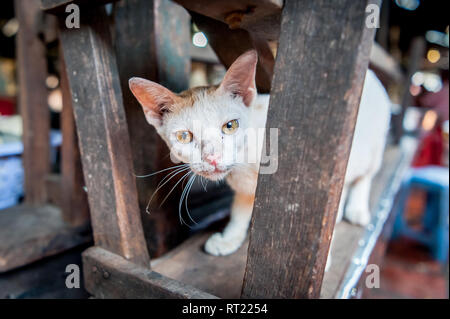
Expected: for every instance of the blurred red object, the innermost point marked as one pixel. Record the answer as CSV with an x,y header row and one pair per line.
x,y
430,149
7,106
431,146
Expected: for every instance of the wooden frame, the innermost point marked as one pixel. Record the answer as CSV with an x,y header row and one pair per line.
x,y
290,234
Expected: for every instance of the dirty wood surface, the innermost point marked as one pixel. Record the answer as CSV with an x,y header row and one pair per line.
x,y
73,197
29,233
108,275
260,17
221,276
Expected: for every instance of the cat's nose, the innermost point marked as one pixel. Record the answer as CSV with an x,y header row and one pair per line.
x,y
212,159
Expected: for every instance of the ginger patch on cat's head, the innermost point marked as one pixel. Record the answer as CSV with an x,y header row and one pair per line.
x,y
155,99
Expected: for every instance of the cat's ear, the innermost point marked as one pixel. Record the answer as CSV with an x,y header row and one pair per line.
x,y
240,77
154,98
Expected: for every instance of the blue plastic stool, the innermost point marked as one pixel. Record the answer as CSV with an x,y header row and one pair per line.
x,y
434,180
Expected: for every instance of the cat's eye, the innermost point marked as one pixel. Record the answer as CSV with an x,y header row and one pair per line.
x,y
230,127
184,137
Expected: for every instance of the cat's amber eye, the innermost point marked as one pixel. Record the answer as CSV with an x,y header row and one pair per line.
x,y
184,137
230,127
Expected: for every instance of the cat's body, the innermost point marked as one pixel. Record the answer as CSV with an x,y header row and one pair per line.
x,y
225,114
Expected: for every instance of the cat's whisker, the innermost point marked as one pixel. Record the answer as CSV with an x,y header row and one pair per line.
x,y
178,170
202,182
160,171
181,179
181,201
173,174
189,186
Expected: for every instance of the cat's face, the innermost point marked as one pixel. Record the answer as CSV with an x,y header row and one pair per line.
x,y
206,126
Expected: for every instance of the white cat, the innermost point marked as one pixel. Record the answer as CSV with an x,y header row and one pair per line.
x,y
207,128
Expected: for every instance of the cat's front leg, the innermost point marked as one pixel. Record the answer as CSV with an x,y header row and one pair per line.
x,y
234,234
357,209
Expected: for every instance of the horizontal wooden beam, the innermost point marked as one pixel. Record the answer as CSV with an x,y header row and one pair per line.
x,y
59,5
260,17
108,275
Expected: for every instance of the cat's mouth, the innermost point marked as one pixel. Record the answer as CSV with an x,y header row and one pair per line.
x,y
216,174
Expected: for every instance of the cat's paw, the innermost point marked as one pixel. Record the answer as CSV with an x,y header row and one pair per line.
x,y
359,217
218,245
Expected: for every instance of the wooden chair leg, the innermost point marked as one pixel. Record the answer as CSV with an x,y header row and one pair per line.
x,y
74,205
152,42
103,135
31,56
319,75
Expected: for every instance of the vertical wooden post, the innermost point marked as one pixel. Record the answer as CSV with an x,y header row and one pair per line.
x,y
32,64
322,58
74,204
103,135
152,40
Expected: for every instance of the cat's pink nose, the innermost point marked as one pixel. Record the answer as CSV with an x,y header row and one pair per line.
x,y
212,159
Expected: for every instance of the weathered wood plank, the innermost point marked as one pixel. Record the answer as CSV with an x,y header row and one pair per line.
x,y
230,44
190,264
260,17
53,185
103,136
152,41
108,275
29,233
74,203
32,65
59,5
316,97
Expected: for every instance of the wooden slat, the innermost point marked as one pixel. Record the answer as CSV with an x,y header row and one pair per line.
x,y
53,185
152,41
74,203
190,264
59,5
32,65
103,136
110,276
230,44
261,17
314,102
29,233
